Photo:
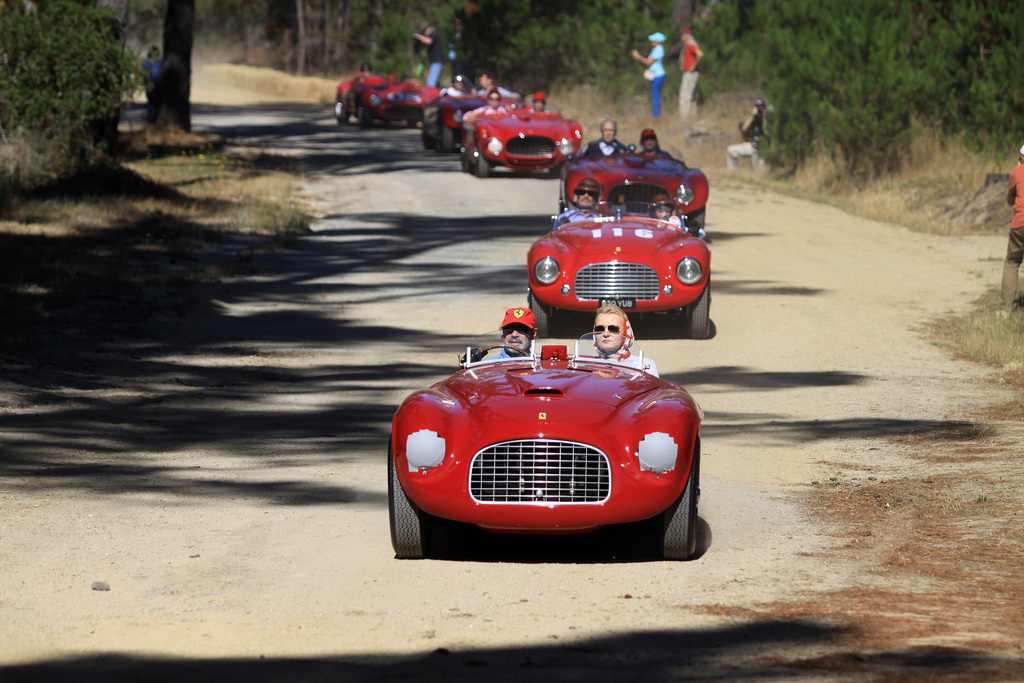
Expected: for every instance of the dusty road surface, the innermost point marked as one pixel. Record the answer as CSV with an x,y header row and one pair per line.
x,y
205,499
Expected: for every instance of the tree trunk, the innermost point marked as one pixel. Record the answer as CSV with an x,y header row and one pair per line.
x,y
300,38
174,87
682,14
108,127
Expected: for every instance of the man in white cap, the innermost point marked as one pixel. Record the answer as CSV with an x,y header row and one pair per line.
x,y
1015,248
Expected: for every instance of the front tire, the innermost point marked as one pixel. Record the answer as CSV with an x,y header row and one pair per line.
x,y
679,522
446,140
340,112
540,312
410,526
700,314
483,169
695,221
364,116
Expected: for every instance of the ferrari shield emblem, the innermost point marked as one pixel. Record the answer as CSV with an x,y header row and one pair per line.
x,y
542,416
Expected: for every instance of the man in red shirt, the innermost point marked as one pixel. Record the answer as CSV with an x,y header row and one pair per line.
x,y
688,61
1015,248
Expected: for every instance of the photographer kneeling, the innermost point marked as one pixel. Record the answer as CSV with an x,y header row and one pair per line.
x,y
753,128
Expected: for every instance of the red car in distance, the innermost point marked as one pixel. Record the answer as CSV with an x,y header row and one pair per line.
x,y
552,443
522,140
643,265
634,179
376,98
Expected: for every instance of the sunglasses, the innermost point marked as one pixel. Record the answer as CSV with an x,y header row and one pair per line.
x,y
506,331
614,329
495,98
649,138
589,193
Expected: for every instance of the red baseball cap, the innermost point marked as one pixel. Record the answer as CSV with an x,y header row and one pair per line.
x,y
540,96
648,133
523,316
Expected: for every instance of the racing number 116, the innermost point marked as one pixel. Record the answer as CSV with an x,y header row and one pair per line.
x,y
617,232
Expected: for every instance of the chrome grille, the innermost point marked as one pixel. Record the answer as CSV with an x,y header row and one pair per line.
x,y
531,146
540,471
616,281
641,193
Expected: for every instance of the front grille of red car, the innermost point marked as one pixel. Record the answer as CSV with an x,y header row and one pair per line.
x,y
540,471
616,281
531,146
641,193
404,112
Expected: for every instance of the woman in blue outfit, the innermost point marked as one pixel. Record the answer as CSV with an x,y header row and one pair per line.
x,y
653,62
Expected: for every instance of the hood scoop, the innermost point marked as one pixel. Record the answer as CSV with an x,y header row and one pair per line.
x,y
543,392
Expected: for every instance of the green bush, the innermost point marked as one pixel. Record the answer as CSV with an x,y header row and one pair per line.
x,y
64,75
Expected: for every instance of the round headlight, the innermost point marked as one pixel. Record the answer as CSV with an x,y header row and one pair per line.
x,y
494,146
564,146
684,195
375,99
546,270
688,271
457,117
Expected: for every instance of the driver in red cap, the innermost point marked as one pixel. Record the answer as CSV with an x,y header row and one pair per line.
x,y
518,330
540,102
649,144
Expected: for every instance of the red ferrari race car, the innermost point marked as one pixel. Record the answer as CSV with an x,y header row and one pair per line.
x,y
634,179
551,443
643,265
376,98
522,140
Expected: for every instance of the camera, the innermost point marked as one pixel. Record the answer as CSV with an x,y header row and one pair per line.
x,y
760,106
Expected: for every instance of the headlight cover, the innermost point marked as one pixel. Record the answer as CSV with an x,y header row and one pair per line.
x,y
375,100
564,146
424,449
546,270
684,195
494,146
457,117
658,452
688,271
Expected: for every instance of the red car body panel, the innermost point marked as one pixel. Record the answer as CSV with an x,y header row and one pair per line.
x,y
442,118
529,140
607,408
637,178
652,245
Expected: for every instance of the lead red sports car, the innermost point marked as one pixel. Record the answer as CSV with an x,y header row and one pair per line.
x,y
553,443
643,265
635,179
522,140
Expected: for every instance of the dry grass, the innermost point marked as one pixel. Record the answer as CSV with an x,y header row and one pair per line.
x,y
980,336
264,84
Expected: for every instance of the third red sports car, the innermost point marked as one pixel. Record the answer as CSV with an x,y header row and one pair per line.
x,y
634,179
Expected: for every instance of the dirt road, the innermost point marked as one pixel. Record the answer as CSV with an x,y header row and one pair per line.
x,y
210,503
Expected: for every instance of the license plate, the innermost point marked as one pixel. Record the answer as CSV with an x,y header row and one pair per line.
x,y
621,303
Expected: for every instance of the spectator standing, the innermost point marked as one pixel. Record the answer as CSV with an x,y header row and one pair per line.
x,y
689,59
1015,247
435,53
152,66
655,72
753,128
